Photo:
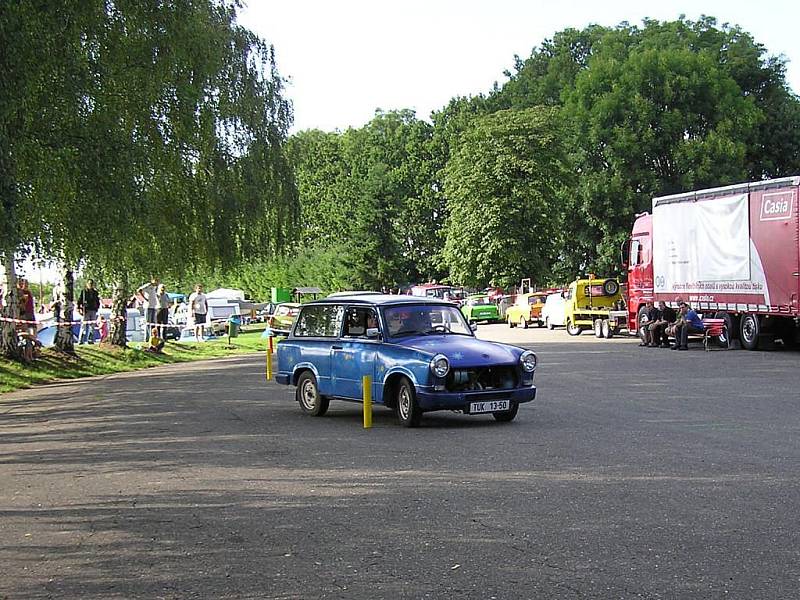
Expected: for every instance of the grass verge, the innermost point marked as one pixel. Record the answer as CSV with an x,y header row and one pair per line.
x,y
104,359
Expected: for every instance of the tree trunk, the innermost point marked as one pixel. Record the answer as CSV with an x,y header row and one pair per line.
x,y
119,323
9,342
64,340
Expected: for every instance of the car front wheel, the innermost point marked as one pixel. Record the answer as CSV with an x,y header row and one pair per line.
x,y
308,396
504,416
408,411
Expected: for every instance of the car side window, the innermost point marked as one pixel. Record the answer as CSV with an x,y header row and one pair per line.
x,y
323,320
358,320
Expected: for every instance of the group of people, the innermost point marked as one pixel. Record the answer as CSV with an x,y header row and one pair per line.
x,y
153,295
157,303
663,323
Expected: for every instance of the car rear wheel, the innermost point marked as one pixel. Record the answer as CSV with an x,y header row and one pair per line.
x,y
510,322
408,411
523,323
573,329
308,396
548,324
504,416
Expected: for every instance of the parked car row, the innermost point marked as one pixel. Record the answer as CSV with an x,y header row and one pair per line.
x,y
586,304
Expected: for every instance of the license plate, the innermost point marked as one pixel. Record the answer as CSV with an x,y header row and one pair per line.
x,y
485,407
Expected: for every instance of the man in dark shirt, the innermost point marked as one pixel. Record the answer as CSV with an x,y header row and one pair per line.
x,y
658,328
688,322
88,305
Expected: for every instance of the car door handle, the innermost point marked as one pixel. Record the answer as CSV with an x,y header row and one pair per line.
x,y
337,348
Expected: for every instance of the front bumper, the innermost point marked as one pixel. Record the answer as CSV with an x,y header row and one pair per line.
x,y
429,399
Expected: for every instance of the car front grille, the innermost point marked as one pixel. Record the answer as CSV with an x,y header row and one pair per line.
x,y
482,379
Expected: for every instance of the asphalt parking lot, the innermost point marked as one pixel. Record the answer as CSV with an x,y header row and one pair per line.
x,y
637,473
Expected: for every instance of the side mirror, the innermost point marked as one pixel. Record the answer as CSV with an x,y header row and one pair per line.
x,y
473,326
373,333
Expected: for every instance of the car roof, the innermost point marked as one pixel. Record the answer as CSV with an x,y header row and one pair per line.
x,y
353,293
380,300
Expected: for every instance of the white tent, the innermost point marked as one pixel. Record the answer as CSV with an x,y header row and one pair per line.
x,y
226,294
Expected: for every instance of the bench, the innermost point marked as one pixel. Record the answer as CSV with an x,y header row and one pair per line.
x,y
712,328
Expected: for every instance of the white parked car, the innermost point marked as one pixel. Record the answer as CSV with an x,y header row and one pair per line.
x,y
553,312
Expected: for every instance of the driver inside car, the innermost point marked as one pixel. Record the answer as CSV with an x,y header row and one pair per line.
x,y
399,322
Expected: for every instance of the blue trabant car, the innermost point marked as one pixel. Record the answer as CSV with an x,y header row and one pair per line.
x,y
421,353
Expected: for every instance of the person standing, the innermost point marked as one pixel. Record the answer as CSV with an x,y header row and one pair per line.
x,y
26,306
149,292
88,305
162,316
198,306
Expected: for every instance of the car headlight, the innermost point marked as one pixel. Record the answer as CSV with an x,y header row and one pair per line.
x,y
440,366
528,361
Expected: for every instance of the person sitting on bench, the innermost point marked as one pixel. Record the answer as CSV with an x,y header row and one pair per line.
x,y
652,314
658,328
689,322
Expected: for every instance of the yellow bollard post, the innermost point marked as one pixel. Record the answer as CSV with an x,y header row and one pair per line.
x,y
366,386
269,364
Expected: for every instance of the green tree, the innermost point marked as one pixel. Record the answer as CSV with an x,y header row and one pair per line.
x,y
650,116
150,136
503,189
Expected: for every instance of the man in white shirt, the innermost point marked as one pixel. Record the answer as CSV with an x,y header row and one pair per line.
x,y
150,293
198,306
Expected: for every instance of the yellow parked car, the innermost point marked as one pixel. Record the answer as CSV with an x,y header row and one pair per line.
x,y
527,310
595,304
282,320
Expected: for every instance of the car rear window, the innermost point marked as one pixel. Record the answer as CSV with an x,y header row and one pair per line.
x,y
319,321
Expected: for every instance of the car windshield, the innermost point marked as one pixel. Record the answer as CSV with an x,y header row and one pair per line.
x,y
404,321
480,301
535,300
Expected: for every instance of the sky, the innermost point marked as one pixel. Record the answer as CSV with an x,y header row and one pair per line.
x,y
347,58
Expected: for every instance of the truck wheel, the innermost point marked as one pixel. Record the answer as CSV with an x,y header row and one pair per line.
x,y
523,323
308,396
610,287
598,328
573,329
607,331
749,331
408,411
724,340
641,323
505,416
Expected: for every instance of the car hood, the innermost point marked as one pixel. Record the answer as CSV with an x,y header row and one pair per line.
x,y
462,350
